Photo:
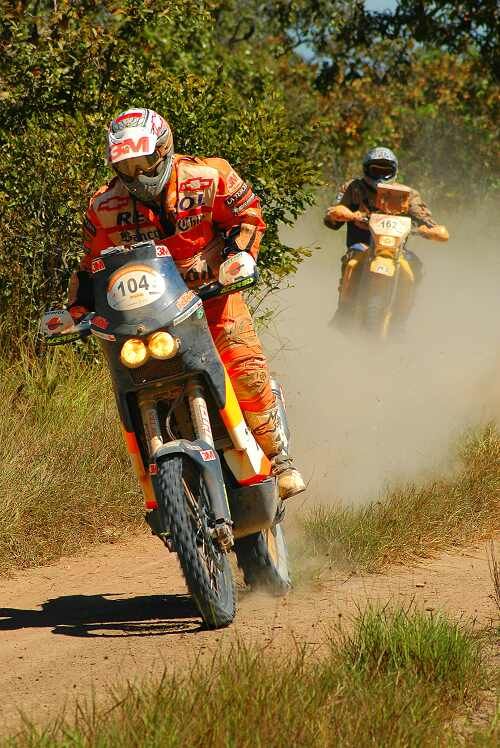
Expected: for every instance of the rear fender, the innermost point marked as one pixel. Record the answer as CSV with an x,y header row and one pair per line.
x,y
207,462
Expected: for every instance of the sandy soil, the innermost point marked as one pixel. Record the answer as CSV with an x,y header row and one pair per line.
x,y
122,612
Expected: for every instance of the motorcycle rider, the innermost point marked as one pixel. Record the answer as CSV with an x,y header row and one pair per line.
x,y
356,199
203,211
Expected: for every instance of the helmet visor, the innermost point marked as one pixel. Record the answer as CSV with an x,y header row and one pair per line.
x,y
381,169
130,168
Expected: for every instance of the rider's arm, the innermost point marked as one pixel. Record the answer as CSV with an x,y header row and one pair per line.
x,y
342,210
236,210
80,290
422,217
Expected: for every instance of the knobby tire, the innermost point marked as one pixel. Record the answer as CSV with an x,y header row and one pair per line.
x,y
261,569
217,605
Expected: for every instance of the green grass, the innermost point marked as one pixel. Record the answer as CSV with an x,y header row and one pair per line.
x,y
65,480
396,679
413,521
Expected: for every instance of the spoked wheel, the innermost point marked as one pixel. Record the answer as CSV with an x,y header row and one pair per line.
x,y
263,558
186,514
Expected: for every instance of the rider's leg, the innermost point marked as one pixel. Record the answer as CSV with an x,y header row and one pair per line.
x,y
241,352
398,325
349,285
417,266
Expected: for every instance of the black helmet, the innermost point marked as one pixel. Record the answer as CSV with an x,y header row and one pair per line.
x,y
380,165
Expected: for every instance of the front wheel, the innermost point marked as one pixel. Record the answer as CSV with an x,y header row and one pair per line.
x,y
377,313
186,513
263,559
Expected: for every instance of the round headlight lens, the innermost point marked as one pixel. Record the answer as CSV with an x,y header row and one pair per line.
x,y
162,345
133,353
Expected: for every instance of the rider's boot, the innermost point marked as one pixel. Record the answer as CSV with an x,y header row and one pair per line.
x,y
268,432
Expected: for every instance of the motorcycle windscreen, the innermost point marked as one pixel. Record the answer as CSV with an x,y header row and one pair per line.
x,y
139,288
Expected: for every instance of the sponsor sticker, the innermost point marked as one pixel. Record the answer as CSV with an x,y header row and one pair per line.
x,y
207,455
101,322
189,202
196,308
131,147
53,323
184,224
98,265
153,468
232,199
113,203
162,251
195,184
234,181
184,300
241,207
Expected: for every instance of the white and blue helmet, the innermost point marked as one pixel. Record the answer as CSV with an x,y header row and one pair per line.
x,y
380,165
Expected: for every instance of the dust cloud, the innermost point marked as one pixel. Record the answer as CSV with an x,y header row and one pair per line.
x,y
365,416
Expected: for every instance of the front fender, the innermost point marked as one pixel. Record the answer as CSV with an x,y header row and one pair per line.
x,y
207,462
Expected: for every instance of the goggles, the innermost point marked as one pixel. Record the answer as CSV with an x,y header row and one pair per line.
x,y
131,168
381,170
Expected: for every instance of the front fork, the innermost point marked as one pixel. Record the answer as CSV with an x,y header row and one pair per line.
x,y
222,530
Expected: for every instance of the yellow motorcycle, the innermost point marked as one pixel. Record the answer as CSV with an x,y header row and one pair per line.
x,y
377,289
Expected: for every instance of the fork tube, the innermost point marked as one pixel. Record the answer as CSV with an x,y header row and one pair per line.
x,y
151,422
199,412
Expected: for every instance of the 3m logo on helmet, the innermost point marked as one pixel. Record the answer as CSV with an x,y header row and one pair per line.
x,y
129,147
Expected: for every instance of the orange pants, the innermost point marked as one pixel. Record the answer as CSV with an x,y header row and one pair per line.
x,y
241,352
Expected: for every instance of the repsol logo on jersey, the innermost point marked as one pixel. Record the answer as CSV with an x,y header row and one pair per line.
x,y
122,219
184,224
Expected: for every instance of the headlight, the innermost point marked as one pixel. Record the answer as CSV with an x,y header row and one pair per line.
x,y
133,353
162,345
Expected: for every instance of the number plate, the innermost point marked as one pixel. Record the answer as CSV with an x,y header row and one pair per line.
x,y
383,266
134,286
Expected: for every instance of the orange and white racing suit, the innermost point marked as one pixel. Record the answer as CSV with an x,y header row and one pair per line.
x,y
204,205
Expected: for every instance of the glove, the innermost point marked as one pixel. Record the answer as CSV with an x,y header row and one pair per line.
x,y
230,244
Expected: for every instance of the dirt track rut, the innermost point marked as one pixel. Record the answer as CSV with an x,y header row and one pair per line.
x,y
122,612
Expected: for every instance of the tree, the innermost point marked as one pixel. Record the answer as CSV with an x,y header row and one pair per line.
x,y
66,68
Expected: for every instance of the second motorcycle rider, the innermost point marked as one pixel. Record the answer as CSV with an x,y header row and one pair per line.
x,y
203,211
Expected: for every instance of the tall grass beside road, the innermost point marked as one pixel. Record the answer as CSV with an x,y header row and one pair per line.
x,y
65,480
396,679
414,521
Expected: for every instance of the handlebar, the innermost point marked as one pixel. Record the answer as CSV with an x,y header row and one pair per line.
x,y
79,331
211,290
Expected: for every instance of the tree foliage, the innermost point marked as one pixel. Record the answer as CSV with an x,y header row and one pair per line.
x,y
422,78
66,68
290,91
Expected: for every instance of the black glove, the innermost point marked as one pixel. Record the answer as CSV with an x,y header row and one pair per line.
x,y
230,244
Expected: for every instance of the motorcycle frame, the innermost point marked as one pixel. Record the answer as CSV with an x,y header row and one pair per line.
x,y
138,398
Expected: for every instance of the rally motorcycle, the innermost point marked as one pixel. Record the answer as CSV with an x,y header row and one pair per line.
x,y
207,485
378,283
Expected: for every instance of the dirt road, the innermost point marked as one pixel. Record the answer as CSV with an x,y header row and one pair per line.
x,y
122,612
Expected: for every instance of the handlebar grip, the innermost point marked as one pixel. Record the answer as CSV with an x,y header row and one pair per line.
x,y
210,290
